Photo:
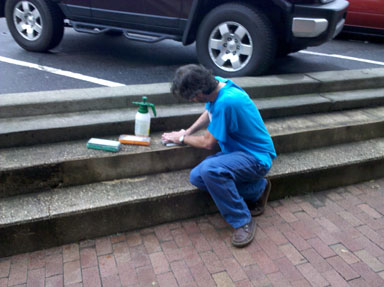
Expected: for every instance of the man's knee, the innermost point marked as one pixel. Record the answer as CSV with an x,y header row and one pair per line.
x,y
195,177
211,171
201,173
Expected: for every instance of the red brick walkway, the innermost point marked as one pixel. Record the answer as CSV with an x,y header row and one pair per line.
x,y
332,238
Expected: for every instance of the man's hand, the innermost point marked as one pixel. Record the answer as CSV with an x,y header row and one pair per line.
x,y
173,136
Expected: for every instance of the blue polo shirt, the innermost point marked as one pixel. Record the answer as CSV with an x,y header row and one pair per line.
x,y
237,125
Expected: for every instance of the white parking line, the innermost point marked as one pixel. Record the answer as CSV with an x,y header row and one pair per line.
x,y
76,76
343,57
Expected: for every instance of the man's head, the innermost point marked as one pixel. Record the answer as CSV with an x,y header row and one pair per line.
x,y
193,81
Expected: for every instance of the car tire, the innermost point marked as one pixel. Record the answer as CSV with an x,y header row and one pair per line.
x,y
36,25
235,40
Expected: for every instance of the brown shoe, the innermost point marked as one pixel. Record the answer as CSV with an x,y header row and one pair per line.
x,y
244,235
258,207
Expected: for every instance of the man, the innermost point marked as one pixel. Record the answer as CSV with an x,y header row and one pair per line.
x,y
234,177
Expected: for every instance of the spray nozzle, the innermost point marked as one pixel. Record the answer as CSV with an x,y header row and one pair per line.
x,y
143,106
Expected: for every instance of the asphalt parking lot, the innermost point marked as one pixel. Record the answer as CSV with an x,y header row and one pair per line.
x,y
83,61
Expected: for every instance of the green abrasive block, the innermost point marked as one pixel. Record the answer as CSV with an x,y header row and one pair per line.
x,y
101,144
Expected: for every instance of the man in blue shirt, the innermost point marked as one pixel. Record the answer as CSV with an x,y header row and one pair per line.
x,y
235,176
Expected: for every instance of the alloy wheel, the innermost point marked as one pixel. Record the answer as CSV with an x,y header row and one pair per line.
x,y
230,46
27,20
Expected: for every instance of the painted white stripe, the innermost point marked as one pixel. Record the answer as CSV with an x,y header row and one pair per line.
x,y
61,72
343,57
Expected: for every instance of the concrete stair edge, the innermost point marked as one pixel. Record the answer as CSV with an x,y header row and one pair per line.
x,y
158,185
324,168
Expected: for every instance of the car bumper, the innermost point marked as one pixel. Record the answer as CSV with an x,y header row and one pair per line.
x,y
313,25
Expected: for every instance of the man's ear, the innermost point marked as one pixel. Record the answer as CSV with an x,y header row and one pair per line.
x,y
201,97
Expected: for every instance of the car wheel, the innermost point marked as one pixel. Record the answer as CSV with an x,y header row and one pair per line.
x,y
236,40
36,25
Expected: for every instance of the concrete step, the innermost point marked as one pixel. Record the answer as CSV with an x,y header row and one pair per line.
x,y
43,167
39,129
63,215
66,101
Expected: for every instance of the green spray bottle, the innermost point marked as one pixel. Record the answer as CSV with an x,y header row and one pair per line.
x,y
143,118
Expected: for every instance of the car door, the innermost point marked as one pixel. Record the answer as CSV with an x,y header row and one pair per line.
x,y
366,13
150,15
77,9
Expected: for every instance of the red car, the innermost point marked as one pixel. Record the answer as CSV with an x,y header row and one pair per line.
x,y
365,16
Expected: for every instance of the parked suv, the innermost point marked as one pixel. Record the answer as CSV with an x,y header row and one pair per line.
x,y
233,38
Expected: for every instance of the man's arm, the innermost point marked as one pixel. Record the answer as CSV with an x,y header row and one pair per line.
x,y
206,141
200,123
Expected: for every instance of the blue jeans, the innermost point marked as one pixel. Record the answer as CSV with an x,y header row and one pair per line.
x,y
231,179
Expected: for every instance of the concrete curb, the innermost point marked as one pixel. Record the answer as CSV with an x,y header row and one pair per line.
x,y
51,102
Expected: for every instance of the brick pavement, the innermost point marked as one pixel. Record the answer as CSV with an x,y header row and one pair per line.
x,y
331,238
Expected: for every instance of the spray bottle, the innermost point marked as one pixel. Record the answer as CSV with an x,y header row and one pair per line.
x,y
143,118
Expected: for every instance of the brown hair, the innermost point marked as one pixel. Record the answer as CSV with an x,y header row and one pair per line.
x,y
191,80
